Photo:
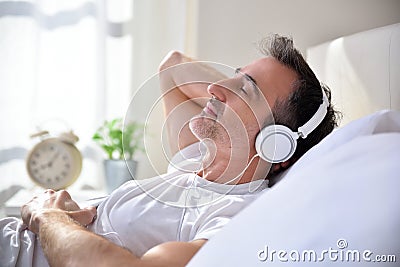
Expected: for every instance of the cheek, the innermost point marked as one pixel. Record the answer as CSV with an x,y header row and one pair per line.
x,y
245,118
270,100
261,114
239,122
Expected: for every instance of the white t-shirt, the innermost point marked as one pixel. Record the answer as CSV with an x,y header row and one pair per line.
x,y
174,207
177,206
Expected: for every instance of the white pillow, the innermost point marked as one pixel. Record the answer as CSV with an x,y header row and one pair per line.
x,y
343,195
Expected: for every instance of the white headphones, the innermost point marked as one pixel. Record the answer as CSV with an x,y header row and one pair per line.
x,y
277,143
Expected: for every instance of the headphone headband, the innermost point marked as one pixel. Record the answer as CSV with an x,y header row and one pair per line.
x,y
313,123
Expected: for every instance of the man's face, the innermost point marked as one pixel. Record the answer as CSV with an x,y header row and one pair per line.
x,y
243,103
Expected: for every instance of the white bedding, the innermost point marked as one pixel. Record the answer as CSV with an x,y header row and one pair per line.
x,y
346,190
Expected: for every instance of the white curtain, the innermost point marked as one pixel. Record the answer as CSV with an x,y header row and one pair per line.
x,y
159,27
54,58
73,63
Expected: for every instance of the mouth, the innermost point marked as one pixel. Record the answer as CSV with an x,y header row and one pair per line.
x,y
210,109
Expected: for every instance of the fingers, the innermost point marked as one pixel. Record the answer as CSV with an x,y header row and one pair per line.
x,y
59,199
51,201
26,214
64,201
64,194
84,216
49,191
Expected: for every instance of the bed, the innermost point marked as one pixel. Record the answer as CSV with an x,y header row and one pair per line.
x,y
340,203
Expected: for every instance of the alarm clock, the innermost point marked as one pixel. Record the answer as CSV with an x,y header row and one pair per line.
x,y
54,162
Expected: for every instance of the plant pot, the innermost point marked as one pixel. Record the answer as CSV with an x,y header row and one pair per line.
x,y
117,172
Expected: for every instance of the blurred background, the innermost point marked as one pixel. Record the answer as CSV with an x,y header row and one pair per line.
x,y
71,64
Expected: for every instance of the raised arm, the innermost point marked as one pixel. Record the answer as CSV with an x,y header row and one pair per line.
x,y
184,85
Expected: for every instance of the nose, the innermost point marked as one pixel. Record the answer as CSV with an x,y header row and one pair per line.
x,y
220,89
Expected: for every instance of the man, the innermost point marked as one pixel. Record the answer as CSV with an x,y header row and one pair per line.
x,y
164,221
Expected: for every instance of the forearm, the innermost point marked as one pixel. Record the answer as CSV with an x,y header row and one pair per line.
x,y
191,79
66,243
184,85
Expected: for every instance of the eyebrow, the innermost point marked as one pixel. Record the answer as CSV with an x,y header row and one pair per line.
x,y
249,78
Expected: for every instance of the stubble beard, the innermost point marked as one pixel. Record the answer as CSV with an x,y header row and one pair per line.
x,y
206,128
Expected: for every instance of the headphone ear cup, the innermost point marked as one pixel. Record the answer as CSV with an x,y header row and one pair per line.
x,y
276,143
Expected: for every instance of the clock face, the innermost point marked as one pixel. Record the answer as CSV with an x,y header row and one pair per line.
x,y
54,164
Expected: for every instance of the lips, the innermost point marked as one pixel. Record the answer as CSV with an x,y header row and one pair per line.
x,y
210,109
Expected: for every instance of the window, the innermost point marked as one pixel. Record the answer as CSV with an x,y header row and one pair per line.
x,y
64,65
73,63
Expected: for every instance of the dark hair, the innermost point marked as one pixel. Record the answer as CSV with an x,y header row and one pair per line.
x,y
306,97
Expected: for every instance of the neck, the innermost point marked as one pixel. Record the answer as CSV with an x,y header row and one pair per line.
x,y
223,164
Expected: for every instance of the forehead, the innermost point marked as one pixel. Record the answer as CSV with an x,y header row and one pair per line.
x,y
274,79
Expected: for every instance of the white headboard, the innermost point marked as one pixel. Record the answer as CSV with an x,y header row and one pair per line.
x,y
362,70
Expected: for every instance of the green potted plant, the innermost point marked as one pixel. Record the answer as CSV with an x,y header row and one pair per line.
x,y
121,143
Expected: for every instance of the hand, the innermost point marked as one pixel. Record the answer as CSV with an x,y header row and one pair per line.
x,y
52,202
